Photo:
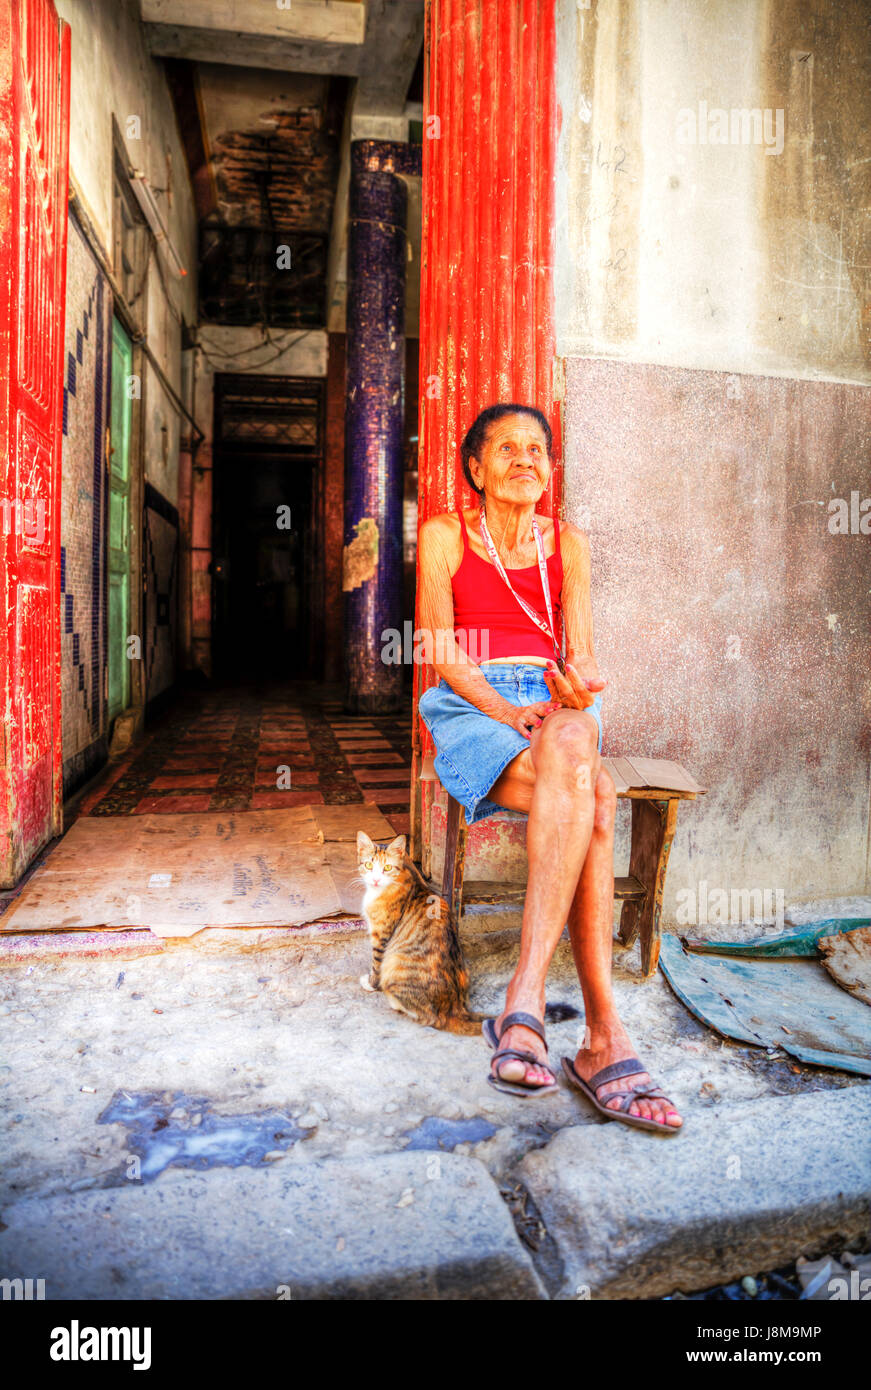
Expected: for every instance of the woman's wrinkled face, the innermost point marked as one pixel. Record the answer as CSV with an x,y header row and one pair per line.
x,y
514,466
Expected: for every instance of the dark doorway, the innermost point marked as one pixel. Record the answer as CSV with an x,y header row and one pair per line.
x,y
267,462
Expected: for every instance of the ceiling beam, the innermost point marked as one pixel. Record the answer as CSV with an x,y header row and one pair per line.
x,y
250,51
376,41
182,79
313,21
308,36
394,37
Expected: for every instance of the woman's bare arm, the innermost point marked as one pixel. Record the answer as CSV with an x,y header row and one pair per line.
x,y
440,552
581,683
577,601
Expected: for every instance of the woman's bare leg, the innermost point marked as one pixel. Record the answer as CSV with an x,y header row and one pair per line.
x,y
591,910
553,783
591,932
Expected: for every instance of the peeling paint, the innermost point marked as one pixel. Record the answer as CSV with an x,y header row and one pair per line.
x,y
360,558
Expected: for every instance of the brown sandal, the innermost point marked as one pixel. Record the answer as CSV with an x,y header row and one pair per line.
x,y
629,1067
517,1088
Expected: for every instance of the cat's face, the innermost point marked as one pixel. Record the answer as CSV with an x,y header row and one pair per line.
x,y
379,866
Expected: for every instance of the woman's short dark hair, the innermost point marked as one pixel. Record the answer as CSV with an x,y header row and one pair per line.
x,y
477,435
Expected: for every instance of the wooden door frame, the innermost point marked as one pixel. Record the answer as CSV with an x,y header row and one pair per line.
x,y
135,324
314,566
118,397
138,674
133,715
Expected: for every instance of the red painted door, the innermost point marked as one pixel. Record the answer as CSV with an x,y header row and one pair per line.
x,y
34,124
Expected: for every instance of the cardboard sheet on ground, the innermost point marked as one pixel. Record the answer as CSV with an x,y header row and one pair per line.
x,y
757,1001
177,874
343,822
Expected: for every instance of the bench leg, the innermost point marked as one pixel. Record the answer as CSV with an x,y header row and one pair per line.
x,y
455,857
415,808
653,825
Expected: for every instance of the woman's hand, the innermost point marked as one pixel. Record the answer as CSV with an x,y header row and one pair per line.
x,y
572,690
525,718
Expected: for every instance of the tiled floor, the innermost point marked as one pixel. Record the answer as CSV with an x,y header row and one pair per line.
x,y
243,749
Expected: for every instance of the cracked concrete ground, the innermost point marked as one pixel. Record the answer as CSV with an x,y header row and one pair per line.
x,y
227,1025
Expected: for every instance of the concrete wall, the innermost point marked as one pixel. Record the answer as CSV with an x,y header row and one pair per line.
x,y
713,316
270,352
113,76
728,256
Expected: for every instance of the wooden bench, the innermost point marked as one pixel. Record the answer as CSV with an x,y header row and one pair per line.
x,y
654,816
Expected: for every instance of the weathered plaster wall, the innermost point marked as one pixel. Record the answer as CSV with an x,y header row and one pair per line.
x,y
732,626
275,352
719,255
713,313
114,75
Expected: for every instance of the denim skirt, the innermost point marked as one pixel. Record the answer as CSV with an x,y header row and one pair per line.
x,y
473,750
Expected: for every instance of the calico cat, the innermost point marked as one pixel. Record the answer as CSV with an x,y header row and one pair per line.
x,y
417,959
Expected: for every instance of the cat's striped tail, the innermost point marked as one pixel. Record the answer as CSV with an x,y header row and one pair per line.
x,y
469,1022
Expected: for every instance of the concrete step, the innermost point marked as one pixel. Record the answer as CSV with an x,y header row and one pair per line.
x,y
420,1225
739,1191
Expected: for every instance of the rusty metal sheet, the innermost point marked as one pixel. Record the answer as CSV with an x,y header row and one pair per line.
x,y
487,322
847,958
791,1004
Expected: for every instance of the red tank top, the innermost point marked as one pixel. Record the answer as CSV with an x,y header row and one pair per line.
x,y
488,621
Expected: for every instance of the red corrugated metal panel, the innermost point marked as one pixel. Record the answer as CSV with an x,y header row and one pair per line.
x,y
487,326
34,121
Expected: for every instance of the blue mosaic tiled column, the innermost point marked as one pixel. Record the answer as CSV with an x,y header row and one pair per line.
x,y
374,411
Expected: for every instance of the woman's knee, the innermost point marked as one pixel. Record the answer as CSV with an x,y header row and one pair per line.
x,y
571,736
606,801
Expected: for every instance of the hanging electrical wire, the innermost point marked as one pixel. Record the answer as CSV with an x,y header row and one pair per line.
x,y
213,351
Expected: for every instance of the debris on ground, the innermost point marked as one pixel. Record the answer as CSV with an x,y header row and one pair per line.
x,y
823,1280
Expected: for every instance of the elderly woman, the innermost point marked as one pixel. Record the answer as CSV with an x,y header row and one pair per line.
x,y
522,731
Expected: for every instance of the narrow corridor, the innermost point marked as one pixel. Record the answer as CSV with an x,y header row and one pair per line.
x,y
226,749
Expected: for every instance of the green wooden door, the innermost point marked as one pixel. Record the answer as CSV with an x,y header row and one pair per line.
x,y
119,521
